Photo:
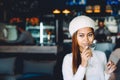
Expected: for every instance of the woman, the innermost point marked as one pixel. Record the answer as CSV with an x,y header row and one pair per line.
x,y
84,63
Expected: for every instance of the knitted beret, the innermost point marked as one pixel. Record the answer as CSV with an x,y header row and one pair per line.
x,y
80,22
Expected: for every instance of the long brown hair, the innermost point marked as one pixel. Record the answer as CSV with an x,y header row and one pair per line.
x,y
76,61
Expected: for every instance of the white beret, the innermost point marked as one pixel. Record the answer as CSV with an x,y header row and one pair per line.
x,y
80,22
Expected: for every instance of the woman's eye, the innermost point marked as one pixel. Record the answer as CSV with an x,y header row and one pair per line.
x,y
81,35
90,35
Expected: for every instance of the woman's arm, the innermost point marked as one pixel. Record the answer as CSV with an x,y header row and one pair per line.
x,y
67,70
109,68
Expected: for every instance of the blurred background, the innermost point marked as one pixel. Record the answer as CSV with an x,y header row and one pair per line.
x,y
56,15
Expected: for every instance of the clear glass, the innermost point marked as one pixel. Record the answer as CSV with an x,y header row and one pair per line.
x,y
92,46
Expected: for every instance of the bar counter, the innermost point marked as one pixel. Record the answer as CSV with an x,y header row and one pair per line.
x,y
30,49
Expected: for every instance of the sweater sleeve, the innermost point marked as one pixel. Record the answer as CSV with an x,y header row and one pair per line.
x,y
107,76
67,70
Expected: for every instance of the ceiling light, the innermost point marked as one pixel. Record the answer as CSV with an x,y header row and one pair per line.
x,y
108,9
56,11
66,11
89,9
96,9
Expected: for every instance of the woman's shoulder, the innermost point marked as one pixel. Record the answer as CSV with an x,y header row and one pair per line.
x,y
68,56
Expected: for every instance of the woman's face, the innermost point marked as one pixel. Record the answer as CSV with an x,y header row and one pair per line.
x,y
85,37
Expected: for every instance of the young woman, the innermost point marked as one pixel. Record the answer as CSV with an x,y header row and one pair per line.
x,y
85,63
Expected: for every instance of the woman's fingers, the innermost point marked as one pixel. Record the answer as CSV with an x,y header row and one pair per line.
x,y
86,55
113,67
85,49
110,67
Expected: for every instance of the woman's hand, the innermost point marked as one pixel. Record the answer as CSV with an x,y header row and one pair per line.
x,y
85,56
110,67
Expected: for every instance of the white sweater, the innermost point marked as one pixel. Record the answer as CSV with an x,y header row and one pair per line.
x,y
94,71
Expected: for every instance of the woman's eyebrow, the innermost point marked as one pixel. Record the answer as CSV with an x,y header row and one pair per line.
x,y
80,33
90,32
83,33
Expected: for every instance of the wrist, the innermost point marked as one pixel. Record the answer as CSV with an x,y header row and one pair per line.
x,y
83,64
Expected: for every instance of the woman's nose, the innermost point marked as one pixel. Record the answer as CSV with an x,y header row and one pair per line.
x,y
86,38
